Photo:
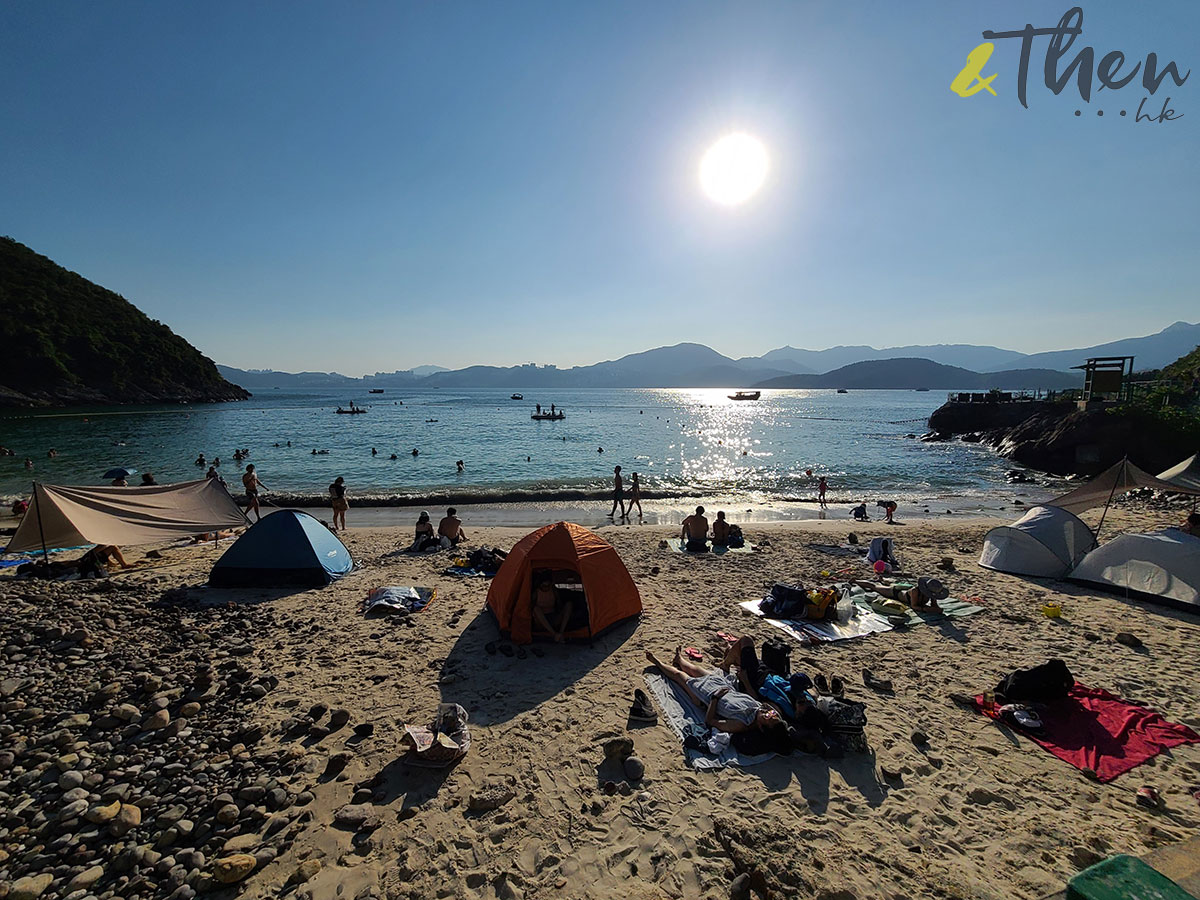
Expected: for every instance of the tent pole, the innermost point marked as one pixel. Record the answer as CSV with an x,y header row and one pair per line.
x,y
1113,490
41,531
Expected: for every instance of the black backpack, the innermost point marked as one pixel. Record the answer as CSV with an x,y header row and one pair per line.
x,y
777,657
786,601
735,538
1050,681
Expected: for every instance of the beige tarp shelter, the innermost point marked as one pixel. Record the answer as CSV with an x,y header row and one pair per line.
x,y
1122,477
1185,476
62,516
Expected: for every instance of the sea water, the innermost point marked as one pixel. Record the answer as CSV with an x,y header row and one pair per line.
x,y
682,442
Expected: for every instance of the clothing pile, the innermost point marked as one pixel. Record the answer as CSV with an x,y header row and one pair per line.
x,y
485,560
445,741
399,600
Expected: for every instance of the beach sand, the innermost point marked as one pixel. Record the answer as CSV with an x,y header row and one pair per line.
x,y
976,813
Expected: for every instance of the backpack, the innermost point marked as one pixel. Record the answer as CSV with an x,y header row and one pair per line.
x,y
1050,681
847,720
735,537
785,601
777,657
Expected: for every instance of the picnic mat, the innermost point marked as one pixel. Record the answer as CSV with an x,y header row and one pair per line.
x,y
678,546
865,622
1096,731
850,551
466,572
679,711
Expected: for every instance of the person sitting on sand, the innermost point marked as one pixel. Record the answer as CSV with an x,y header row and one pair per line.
x,y
695,531
95,563
720,530
924,596
546,603
450,530
424,536
727,709
889,507
120,481
213,536
148,480
1191,525
860,512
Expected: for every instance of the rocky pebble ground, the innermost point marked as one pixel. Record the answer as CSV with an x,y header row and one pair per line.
x,y
130,760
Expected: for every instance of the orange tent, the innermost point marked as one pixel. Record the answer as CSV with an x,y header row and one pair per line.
x,y
609,592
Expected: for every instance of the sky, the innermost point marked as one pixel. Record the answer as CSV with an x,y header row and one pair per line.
x,y
375,186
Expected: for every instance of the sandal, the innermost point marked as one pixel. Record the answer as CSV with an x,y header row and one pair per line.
x,y
506,649
521,654
1148,797
821,683
837,687
694,654
490,647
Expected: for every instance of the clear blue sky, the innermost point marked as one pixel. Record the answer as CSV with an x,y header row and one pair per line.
x,y
372,186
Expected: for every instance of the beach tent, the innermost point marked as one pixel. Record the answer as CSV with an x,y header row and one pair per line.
x,y
1161,565
1119,478
64,516
288,548
1047,541
608,591
1185,476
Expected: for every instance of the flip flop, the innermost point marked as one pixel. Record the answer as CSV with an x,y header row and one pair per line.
x,y
521,654
693,653
537,651
727,637
836,686
821,683
506,649
1148,797
490,647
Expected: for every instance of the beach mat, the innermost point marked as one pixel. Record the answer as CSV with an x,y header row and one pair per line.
x,y
679,711
679,546
864,623
848,551
466,572
1095,731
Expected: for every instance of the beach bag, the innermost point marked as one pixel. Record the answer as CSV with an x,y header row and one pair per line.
x,y
695,737
444,742
820,604
735,537
1050,681
786,601
847,721
777,657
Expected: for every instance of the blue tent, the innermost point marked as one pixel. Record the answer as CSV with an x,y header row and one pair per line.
x,y
285,549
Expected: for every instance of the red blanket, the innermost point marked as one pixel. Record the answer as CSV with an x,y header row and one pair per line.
x,y
1097,732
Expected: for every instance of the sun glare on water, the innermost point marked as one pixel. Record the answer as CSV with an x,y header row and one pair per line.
x,y
733,169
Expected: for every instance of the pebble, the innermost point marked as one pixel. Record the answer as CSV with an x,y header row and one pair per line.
x,y
305,871
1129,640
30,887
338,718
231,869
635,769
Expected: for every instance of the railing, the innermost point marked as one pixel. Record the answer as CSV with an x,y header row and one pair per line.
x,y
997,396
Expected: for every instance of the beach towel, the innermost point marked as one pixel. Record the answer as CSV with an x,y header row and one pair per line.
x,y
1096,731
851,551
864,622
952,607
680,712
680,546
466,572
401,600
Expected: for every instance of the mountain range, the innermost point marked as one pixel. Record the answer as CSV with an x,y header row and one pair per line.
x,y
965,366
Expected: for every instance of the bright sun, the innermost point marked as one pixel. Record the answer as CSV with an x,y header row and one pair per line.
x,y
733,169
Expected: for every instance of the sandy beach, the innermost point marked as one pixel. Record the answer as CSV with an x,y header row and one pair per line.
x,y
977,812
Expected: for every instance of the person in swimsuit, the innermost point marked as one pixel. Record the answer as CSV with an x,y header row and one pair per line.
x,y
251,483
338,502
547,604
618,493
720,530
925,595
424,535
695,531
822,486
635,494
450,530
889,508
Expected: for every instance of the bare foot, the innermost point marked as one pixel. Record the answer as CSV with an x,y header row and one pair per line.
x,y
652,658
678,660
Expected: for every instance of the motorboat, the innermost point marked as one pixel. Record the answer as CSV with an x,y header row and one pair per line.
x,y
352,411
842,391
375,391
517,397
548,416
746,395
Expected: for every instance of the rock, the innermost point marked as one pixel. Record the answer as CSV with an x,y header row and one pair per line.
x,y
71,810
228,814
70,780
160,719
232,869
337,763
317,710
357,816
635,769
739,888
920,738
30,887
242,843
305,871
492,795
339,717
618,748
189,709
1129,640
127,712
85,879
129,816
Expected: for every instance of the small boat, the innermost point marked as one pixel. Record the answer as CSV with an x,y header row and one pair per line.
x,y
517,397
746,395
548,417
431,420
842,391
921,390
352,411
375,391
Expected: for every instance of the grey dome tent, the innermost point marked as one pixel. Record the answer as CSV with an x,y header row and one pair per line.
x,y
1163,566
1047,542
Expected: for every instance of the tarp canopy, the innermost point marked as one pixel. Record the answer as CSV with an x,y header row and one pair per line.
x,y
68,516
288,548
1121,477
1185,476
1161,565
1046,542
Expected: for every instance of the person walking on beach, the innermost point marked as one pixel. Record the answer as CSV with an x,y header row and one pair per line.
x,y
252,485
635,494
821,488
337,500
618,493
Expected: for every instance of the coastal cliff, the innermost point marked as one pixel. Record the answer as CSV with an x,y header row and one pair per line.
x,y
68,341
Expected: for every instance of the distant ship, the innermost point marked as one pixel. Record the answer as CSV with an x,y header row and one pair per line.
x,y
746,395
548,416
920,389
842,391
375,391
517,397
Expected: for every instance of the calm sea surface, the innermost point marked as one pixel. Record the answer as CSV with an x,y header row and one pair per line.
x,y
684,442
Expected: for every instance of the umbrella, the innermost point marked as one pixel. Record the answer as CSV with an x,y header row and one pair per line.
x,y
119,472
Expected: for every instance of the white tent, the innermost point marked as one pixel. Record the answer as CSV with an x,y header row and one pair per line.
x,y
61,516
1112,482
1162,564
1047,541
1185,476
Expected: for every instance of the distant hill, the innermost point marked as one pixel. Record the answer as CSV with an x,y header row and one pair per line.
x,y
1154,351
68,341
970,356
910,374
266,379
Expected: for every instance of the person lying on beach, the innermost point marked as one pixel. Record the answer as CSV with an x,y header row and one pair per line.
x,y
424,536
546,603
925,595
695,531
450,530
95,563
209,536
727,709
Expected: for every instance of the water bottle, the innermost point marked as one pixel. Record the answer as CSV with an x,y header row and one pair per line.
x,y
845,609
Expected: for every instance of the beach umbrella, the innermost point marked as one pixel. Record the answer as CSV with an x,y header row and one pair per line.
x,y
119,472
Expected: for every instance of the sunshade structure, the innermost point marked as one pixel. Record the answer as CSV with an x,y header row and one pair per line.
x,y
288,548
1161,566
609,594
1112,482
1047,542
119,472
1185,476
68,516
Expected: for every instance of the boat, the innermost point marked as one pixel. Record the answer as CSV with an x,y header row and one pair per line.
x,y
746,395
352,411
548,417
431,420
517,397
375,391
842,391
921,390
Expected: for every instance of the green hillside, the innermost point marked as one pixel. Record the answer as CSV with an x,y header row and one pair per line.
x,y
68,341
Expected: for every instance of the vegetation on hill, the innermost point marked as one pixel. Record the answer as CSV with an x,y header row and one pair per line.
x,y
69,341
